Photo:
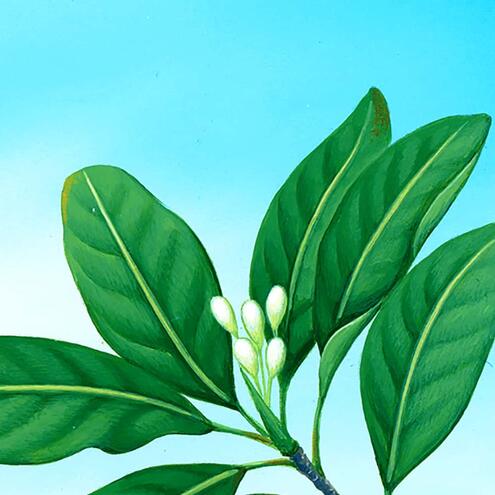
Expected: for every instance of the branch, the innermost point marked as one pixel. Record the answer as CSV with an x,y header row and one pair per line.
x,y
305,467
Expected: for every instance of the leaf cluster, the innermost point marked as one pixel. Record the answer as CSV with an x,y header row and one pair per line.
x,y
340,236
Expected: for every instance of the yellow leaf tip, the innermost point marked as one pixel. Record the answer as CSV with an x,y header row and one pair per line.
x,y
68,184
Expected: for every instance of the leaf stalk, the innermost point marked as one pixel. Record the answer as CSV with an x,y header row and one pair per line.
x,y
242,433
282,461
316,456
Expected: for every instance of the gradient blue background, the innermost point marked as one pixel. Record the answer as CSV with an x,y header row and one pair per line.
x,y
211,104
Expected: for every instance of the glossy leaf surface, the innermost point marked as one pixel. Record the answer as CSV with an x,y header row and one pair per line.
x,y
387,215
146,281
58,398
426,350
287,243
181,479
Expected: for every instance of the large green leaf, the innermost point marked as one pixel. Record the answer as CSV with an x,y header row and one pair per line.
x,y
441,204
58,398
147,282
180,479
426,350
387,215
292,229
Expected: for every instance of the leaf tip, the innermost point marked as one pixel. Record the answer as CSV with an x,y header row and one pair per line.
x,y
381,121
68,184
481,123
487,119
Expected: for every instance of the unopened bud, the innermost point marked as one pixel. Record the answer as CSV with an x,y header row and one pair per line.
x,y
254,322
247,356
276,305
224,314
275,356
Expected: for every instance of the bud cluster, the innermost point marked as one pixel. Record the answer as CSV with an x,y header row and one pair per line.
x,y
248,351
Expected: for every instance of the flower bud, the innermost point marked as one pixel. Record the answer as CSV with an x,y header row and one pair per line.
x,y
224,314
276,305
247,356
275,356
254,322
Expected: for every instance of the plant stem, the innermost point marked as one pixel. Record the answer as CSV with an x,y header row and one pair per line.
x,y
268,398
262,366
255,424
300,462
305,467
242,433
386,491
257,383
316,435
283,403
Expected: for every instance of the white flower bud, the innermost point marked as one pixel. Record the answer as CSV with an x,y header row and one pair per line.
x,y
276,305
224,314
275,356
245,353
254,322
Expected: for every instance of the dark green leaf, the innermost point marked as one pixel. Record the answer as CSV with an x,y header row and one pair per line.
x,y
441,204
426,350
387,215
58,398
180,479
292,229
146,281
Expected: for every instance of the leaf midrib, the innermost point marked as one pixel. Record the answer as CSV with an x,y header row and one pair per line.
x,y
150,297
417,353
386,219
210,482
467,168
296,271
93,391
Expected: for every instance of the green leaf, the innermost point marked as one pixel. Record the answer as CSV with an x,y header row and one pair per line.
x,y
180,479
288,240
337,348
426,350
441,204
387,215
147,282
332,356
58,398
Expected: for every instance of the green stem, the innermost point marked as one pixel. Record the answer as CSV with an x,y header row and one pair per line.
x,y
255,424
386,491
263,376
282,461
316,436
268,398
242,433
283,389
257,383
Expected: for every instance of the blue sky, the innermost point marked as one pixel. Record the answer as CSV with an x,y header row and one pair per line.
x,y
211,104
